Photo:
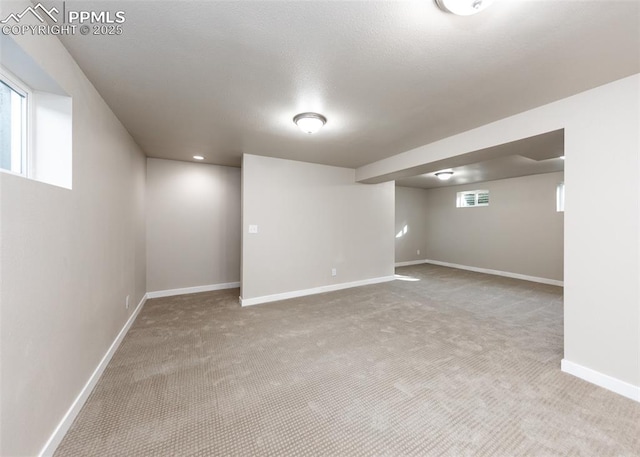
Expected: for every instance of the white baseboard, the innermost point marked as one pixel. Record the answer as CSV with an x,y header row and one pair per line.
x,y
312,291
602,380
552,282
409,263
64,425
192,290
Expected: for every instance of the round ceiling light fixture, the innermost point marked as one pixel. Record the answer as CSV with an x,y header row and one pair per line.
x,y
463,7
444,175
309,122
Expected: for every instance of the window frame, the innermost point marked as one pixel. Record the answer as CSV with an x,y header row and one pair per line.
x,y
461,201
18,86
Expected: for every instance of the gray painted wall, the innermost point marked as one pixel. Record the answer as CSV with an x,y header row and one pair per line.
x,y
68,260
519,232
602,246
311,218
602,242
411,211
193,224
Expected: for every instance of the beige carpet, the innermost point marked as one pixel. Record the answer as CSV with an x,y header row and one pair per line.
x,y
456,363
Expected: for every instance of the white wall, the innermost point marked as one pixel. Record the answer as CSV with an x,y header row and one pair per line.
x,y
68,260
602,218
311,218
412,213
519,232
193,225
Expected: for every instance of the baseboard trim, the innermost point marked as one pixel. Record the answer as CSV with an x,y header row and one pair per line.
x,y
602,380
64,425
409,263
192,290
313,291
506,274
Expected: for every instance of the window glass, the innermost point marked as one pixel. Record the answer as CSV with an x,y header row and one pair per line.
x,y
560,198
13,115
471,198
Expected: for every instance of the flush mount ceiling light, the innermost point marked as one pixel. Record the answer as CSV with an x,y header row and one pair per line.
x,y
309,122
444,175
198,157
463,7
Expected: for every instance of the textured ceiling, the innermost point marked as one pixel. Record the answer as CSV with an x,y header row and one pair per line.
x,y
224,78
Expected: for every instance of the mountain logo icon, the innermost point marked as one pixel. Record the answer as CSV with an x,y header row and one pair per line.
x,y
39,11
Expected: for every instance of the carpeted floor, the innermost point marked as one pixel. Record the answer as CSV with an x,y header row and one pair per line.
x,y
451,363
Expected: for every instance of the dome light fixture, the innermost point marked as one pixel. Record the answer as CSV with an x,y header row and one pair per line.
x,y
309,122
444,175
463,7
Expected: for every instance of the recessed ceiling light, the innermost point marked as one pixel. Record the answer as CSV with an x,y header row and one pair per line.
x,y
198,157
463,7
309,122
444,175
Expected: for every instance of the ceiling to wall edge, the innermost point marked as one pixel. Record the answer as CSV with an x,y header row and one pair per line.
x,y
539,147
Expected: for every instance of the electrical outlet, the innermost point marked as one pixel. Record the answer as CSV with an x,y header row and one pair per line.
x,y
126,304
418,252
334,272
253,229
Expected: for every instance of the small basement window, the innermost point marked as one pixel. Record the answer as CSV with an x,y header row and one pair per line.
x,y
35,120
470,198
560,198
14,99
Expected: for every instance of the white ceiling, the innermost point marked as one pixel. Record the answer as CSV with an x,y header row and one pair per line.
x,y
224,78
529,156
